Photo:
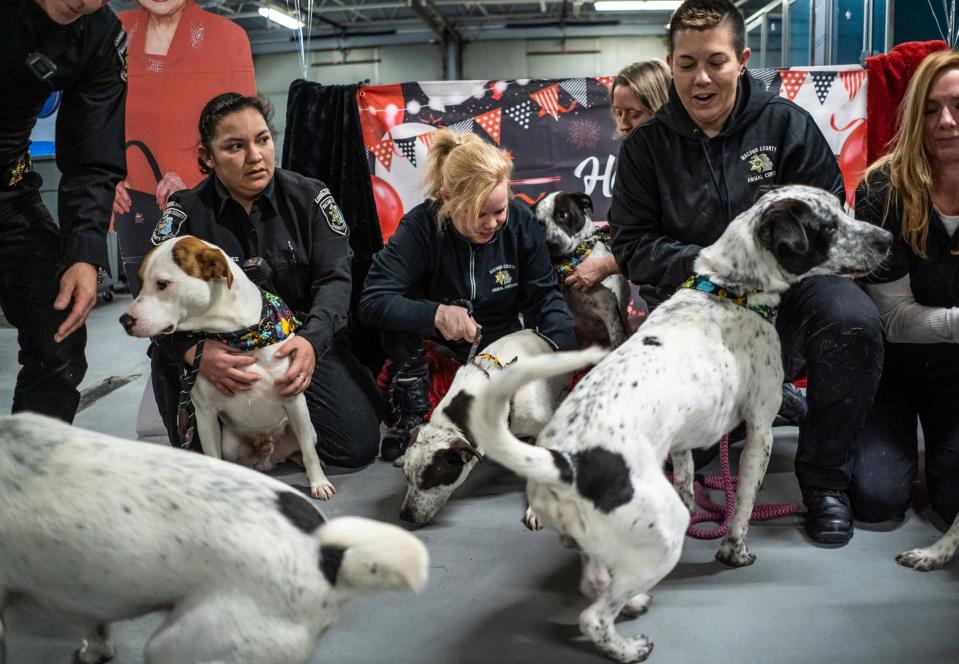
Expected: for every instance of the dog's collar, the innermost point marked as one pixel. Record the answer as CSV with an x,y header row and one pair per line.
x,y
705,285
277,322
567,264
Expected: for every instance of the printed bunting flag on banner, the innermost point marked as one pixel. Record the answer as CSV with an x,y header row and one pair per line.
x,y
548,100
792,80
383,152
490,122
822,82
426,139
464,127
767,76
407,148
576,88
606,81
520,113
852,81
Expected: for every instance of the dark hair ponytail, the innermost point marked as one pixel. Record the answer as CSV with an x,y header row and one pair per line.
x,y
219,108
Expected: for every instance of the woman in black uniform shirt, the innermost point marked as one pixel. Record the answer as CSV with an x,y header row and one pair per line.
x,y
250,208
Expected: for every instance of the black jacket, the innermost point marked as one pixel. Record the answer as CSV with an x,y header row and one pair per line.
x,y
676,189
90,59
935,277
423,266
295,226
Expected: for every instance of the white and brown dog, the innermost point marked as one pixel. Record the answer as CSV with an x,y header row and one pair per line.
x,y
699,366
95,529
571,237
189,285
440,457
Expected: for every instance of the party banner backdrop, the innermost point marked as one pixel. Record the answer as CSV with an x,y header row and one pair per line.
x,y
559,131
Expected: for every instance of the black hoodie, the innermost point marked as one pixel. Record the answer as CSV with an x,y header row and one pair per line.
x,y
676,189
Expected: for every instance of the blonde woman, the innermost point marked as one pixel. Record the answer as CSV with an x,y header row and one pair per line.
x,y
637,93
467,258
914,192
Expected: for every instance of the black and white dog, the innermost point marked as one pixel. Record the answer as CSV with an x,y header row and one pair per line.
x,y
94,529
699,365
571,237
935,556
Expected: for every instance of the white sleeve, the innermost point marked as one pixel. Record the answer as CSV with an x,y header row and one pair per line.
x,y
906,321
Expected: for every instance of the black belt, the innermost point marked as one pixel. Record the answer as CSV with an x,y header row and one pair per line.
x,y
13,172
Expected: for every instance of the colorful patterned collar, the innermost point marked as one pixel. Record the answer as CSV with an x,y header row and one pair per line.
x,y
567,264
704,285
499,364
277,322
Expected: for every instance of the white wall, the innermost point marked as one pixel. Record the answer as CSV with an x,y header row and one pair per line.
x,y
489,60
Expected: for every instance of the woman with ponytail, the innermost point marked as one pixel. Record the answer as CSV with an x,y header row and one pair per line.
x,y
468,264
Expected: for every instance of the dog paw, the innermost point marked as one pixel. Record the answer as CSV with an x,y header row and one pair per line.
x,y
399,461
734,555
635,649
921,560
637,606
322,490
531,521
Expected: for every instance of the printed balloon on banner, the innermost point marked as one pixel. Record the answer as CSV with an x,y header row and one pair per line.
x,y
451,93
389,207
852,156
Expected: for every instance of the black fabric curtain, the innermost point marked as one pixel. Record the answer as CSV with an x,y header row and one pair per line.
x,y
324,140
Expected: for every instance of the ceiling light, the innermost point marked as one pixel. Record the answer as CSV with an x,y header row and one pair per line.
x,y
280,18
636,5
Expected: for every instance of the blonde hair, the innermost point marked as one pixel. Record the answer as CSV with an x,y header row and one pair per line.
x,y
648,80
461,172
908,164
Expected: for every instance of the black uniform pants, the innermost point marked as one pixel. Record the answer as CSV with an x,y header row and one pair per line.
x,y
830,327
29,259
344,404
919,385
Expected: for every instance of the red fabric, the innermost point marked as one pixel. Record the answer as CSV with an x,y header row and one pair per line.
x,y
889,75
442,368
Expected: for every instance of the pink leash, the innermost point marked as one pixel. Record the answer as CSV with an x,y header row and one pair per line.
x,y
721,514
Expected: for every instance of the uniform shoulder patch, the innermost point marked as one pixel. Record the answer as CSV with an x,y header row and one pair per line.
x,y
121,44
170,222
331,212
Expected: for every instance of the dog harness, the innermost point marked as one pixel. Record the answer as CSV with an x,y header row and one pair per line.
x,y
567,264
277,322
704,285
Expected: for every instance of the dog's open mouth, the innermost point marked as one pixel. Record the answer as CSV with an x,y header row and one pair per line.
x,y
168,330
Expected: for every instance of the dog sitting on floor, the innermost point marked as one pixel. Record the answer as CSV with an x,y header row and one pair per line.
x,y
705,360
571,237
440,458
95,529
192,285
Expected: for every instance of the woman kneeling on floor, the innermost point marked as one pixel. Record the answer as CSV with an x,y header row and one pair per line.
x,y
466,267
250,208
914,193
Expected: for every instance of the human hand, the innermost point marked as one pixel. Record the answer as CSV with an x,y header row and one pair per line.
x,y
455,323
302,363
121,199
223,366
79,284
591,272
170,183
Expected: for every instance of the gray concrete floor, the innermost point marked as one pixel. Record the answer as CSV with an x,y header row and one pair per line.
x,y
498,593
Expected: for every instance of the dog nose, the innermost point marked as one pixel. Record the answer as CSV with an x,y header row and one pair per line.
x,y
128,321
407,516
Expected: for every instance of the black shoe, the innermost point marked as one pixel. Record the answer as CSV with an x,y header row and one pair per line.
x,y
828,515
409,397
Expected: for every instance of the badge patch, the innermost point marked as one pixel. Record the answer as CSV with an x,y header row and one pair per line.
x,y
760,163
170,221
120,44
330,210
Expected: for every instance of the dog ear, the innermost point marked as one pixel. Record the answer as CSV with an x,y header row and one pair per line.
x,y
460,451
583,201
783,233
202,261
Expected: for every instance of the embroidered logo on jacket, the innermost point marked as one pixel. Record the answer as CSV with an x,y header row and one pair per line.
x,y
503,277
759,160
170,221
331,211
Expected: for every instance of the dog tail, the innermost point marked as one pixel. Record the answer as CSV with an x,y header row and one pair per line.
x,y
490,432
360,555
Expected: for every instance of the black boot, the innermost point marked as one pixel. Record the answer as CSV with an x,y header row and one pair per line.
x,y
409,399
828,515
